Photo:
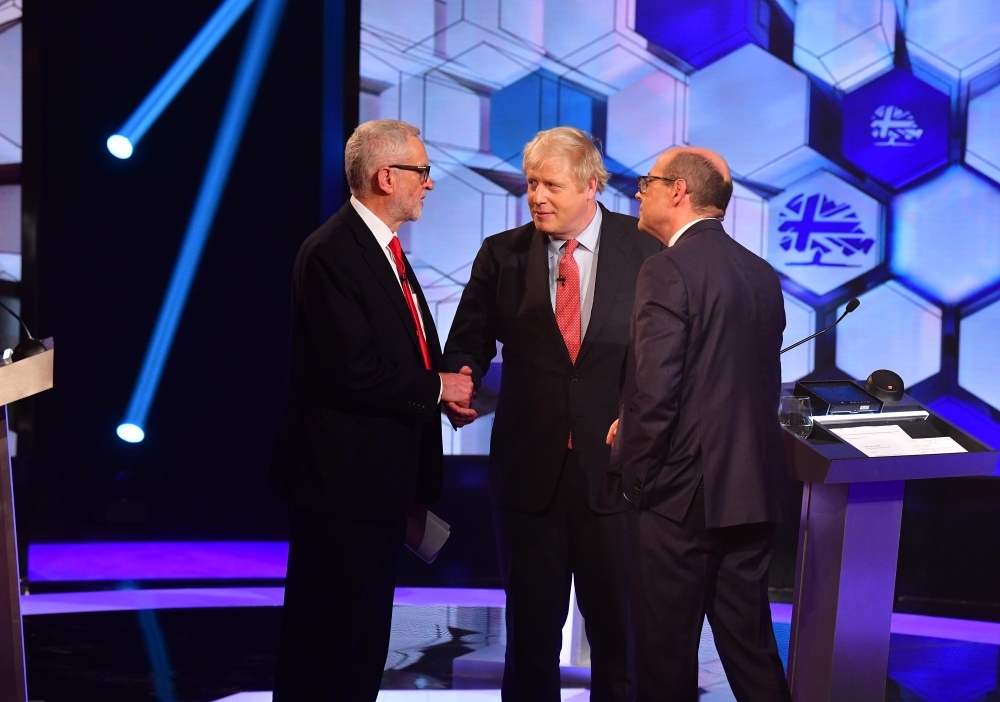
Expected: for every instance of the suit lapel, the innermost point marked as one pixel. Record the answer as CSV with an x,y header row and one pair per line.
x,y
537,295
611,259
375,258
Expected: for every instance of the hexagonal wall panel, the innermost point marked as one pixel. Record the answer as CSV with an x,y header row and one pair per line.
x,y
704,31
541,100
895,329
896,128
634,139
982,150
800,322
945,235
955,40
406,23
845,43
463,209
746,219
754,108
824,233
10,94
979,352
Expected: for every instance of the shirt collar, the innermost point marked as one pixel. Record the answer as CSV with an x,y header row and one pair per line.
x,y
379,228
589,238
677,234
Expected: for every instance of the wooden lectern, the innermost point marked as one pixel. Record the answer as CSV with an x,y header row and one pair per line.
x,y
845,570
18,380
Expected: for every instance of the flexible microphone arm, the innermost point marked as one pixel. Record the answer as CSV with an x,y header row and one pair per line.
x,y
854,304
15,316
31,347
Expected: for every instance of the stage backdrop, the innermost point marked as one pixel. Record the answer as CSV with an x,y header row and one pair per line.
x,y
862,134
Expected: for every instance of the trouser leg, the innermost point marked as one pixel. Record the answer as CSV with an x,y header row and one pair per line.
x,y
667,564
597,559
534,566
338,608
740,614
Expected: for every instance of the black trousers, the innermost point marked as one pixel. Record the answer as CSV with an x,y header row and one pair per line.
x,y
338,608
678,573
538,555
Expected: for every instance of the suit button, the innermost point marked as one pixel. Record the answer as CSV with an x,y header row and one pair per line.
x,y
638,493
573,379
562,416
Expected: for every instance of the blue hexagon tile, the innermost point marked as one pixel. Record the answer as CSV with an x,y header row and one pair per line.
x,y
755,110
894,328
953,41
896,128
982,150
541,100
645,119
946,235
845,43
800,322
979,354
824,233
701,32
746,218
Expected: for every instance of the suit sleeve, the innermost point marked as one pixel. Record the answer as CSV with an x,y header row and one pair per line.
x,y
473,338
660,345
340,334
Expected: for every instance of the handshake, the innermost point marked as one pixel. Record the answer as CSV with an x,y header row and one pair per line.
x,y
457,394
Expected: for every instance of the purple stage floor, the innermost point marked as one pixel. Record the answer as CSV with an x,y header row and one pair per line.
x,y
158,560
245,560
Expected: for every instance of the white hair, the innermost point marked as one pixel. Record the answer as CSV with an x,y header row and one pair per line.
x,y
373,146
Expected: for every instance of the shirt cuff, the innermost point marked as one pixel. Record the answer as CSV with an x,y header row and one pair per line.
x,y
441,391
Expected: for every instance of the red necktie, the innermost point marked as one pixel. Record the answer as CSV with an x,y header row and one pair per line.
x,y
568,305
397,255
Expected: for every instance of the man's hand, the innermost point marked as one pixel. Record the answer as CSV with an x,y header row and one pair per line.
x,y
459,416
612,433
458,387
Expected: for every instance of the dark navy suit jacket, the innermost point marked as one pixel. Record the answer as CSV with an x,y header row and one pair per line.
x,y
543,395
361,437
702,384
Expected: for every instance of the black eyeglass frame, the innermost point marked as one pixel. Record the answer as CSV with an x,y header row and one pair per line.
x,y
644,182
424,171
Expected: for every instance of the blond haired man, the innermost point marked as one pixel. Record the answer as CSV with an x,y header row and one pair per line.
x,y
557,292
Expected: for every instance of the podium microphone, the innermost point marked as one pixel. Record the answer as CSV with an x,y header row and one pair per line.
x,y
31,347
854,304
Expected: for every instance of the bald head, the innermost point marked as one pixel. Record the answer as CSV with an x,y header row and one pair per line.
x,y
706,173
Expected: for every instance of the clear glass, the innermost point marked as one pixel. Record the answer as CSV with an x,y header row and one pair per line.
x,y
796,415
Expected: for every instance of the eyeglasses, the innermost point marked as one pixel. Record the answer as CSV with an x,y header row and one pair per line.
x,y
424,171
644,182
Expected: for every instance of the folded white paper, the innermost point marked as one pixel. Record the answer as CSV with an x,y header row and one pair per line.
x,y
426,533
891,440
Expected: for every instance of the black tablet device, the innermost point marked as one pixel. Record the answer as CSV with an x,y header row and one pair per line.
x,y
838,397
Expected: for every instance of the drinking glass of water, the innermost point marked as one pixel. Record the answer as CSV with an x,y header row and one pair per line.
x,y
795,414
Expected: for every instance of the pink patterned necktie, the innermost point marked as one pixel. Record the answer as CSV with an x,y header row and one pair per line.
x,y
568,305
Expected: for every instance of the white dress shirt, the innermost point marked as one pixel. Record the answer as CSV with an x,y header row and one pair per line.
x,y
586,260
677,234
383,236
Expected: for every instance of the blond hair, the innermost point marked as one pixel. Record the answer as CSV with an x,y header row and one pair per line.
x,y
574,145
374,145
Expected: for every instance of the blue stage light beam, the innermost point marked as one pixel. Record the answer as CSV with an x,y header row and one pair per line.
x,y
123,142
248,74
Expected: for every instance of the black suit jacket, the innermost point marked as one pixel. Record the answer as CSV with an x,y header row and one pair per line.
x,y
702,384
362,434
543,396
